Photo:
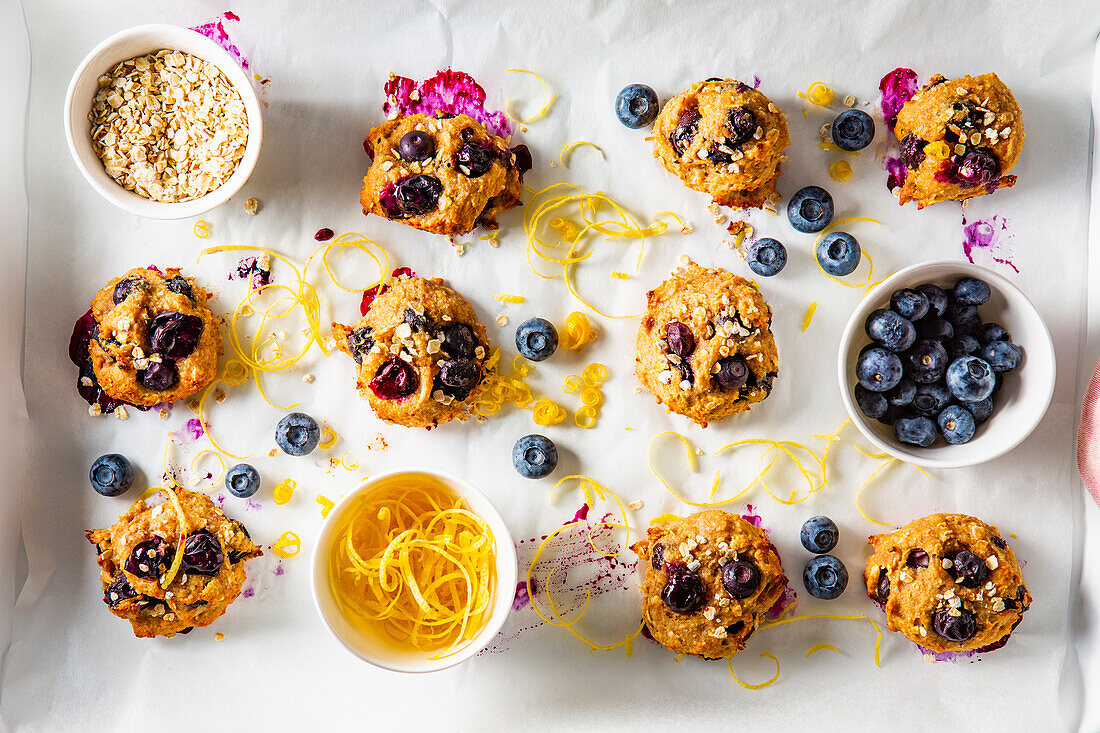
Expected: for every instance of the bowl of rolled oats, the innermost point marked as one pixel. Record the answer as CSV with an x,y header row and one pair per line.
x,y
163,122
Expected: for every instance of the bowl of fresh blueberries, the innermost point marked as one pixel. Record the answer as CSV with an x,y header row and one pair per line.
x,y
946,364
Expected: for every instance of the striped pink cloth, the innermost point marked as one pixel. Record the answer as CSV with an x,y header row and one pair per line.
x,y
1088,438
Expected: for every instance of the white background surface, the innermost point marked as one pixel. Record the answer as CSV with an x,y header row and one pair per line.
x,y
70,660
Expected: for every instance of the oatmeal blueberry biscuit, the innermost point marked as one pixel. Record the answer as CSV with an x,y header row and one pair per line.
x,y
724,138
959,138
709,579
159,593
705,348
154,339
947,582
420,352
441,174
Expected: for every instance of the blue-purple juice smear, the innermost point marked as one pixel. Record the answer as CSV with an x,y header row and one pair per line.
x,y
450,92
992,236
215,31
897,88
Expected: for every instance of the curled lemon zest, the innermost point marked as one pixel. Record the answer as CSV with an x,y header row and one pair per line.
x,y
326,505
507,298
571,384
215,478
746,685
547,101
810,310
201,229
328,438
567,151
576,332
820,647
840,171
594,374
288,545
619,275
352,466
865,256
545,412
352,241
284,491
818,93
864,485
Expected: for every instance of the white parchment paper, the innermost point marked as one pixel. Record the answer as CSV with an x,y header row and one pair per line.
x,y
71,664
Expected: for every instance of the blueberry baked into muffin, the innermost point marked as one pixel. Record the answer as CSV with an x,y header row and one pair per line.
x,y
420,352
705,348
161,587
709,579
959,138
443,174
152,339
724,138
948,583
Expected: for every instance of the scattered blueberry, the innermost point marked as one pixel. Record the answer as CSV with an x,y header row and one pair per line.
x,y
889,330
637,106
909,304
810,209
111,474
903,393
839,254
970,379
956,424
926,362
1003,356
683,591
297,434
937,298
990,332
853,129
936,328
878,369
242,480
416,146
955,628
819,534
536,339
871,404
915,430
740,577
971,291
534,456
766,257
825,577
981,410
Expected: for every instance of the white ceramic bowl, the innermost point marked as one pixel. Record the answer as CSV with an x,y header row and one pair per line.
x,y
371,648
138,41
1021,401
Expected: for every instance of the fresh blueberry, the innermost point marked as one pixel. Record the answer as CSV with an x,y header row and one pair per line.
x,y
111,474
740,577
964,345
458,340
825,577
1003,356
819,534
683,591
902,394
853,129
536,339
242,480
159,375
394,380
971,291
178,284
766,257
297,434
637,106
930,399
938,329
416,146
970,379
125,287
534,456
839,254
981,410
964,318
909,304
956,424
937,298
810,209
687,127
871,404
926,362
474,160
175,335
202,553
955,628
680,339
915,430
990,332
150,557
889,330
733,373
458,377
912,151
968,569
979,167
878,369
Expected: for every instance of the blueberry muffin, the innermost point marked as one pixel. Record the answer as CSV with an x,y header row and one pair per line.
x,y
142,581
724,138
959,138
441,174
705,348
420,352
709,579
947,582
153,339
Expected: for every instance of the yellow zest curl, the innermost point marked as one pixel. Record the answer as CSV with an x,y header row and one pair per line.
x,y
809,316
820,647
818,94
202,229
283,492
328,438
576,332
326,505
746,685
865,256
568,148
288,545
571,384
840,171
547,101
545,412
506,298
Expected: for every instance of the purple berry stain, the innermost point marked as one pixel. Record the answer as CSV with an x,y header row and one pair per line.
x,y
215,31
897,88
450,92
992,236
755,81
194,428
896,172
